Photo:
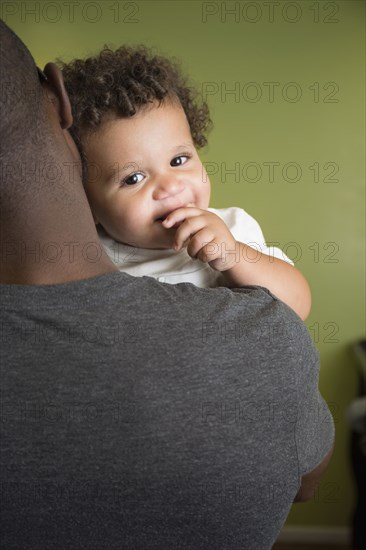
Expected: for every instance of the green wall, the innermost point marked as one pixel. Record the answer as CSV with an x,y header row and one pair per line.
x,y
310,121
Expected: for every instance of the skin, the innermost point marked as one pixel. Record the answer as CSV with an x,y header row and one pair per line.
x,y
145,168
44,220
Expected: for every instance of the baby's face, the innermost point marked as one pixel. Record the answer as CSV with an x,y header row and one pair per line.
x,y
141,169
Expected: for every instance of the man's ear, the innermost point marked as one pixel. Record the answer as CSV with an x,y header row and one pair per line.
x,y
57,86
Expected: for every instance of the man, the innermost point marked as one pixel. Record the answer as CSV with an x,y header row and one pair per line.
x,y
134,414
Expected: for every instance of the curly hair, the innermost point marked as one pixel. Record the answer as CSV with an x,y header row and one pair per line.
x,y
122,82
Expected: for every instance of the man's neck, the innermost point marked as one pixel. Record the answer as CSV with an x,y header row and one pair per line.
x,y
58,257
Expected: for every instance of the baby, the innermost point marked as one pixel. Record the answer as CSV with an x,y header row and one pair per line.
x,y
138,126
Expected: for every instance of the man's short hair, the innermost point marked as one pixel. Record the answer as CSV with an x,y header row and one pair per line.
x,y
22,118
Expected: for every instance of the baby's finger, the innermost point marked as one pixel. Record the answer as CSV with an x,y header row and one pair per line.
x,y
179,215
187,229
202,245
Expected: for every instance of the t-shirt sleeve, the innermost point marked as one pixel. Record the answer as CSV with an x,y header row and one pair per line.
x,y
314,431
247,230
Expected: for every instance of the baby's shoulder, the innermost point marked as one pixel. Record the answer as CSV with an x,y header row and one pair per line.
x,y
235,217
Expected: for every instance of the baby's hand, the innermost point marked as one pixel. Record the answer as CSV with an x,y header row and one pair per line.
x,y
206,235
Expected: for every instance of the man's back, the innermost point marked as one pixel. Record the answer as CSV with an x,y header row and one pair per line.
x,y
140,415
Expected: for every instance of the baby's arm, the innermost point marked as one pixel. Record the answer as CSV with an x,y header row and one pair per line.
x,y
209,239
282,279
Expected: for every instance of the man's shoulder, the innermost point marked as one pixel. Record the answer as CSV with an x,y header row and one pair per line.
x,y
246,316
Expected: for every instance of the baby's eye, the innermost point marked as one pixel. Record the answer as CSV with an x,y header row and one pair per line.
x,y
178,161
133,178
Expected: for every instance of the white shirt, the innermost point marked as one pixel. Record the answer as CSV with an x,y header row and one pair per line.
x,y
169,266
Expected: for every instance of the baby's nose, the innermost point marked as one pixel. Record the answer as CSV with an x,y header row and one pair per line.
x,y
168,187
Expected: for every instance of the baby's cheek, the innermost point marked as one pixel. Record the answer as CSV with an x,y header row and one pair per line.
x,y
137,225
129,222
205,190
113,222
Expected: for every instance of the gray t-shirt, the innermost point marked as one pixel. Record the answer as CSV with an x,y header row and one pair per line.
x,y
142,415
